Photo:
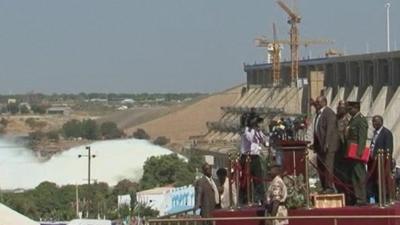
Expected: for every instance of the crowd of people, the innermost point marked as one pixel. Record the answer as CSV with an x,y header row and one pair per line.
x,y
213,194
340,145
336,137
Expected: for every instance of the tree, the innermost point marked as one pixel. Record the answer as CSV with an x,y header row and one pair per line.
x,y
164,170
39,109
125,186
72,128
46,196
90,129
141,134
162,140
109,130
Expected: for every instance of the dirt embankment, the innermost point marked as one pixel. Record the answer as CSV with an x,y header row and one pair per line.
x,y
190,120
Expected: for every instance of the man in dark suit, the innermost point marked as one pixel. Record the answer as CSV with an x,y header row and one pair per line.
x,y
326,140
207,196
381,139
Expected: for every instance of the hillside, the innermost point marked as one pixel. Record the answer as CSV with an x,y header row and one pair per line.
x,y
190,120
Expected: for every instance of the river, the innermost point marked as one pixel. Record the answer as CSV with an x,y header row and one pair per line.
x,y
114,160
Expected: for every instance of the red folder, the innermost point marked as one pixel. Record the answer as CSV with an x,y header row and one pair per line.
x,y
352,153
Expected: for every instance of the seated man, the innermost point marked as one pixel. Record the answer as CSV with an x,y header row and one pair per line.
x,y
276,196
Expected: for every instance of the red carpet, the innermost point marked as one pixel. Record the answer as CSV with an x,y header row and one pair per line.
x,y
346,211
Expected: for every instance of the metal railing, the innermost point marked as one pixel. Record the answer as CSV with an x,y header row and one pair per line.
x,y
334,219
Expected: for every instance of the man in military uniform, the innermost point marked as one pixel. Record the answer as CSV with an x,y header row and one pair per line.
x,y
357,134
342,165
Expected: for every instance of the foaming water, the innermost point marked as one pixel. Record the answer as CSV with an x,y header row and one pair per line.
x,y
115,160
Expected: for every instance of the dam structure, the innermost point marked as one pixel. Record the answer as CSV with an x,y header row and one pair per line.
x,y
373,79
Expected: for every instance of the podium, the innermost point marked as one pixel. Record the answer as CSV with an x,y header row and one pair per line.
x,y
293,162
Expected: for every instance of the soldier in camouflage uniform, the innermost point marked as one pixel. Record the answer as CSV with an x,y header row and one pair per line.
x,y
357,133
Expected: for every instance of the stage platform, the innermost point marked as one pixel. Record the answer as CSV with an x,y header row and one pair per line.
x,y
369,210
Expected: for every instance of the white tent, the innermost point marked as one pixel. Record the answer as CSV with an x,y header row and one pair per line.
x,y
11,217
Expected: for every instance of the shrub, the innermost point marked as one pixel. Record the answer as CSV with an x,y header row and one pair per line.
x,y
162,140
141,134
110,130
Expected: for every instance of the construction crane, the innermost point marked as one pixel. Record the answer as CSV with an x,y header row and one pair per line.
x,y
294,19
276,56
275,45
273,53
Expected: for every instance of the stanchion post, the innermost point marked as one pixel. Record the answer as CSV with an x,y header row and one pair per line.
x,y
231,160
248,178
307,180
237,180
380,154
389,178
384,178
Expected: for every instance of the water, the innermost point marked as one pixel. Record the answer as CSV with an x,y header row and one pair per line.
x,y
114,161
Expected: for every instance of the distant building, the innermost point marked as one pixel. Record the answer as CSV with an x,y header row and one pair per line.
x,y
59,110
104,100
128,101
12,101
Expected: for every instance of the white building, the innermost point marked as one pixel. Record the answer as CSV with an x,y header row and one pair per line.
x,y
168,200
156,198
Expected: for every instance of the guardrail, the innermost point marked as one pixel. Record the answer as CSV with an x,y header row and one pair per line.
x,y
195,221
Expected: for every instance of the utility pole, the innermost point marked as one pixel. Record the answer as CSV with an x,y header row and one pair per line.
x,y
387,6
89,156
77,201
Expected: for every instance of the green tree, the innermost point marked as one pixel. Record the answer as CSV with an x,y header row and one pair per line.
x,y
90,129
166,169
110,130
39,109
72,128
46,196
125,186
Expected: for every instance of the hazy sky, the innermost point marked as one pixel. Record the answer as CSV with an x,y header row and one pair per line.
x,y
164,45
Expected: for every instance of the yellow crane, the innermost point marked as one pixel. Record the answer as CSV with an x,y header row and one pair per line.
x,y
294,19
274,47
276,44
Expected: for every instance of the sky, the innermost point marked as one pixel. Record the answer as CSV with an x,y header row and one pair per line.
x,y
134,46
